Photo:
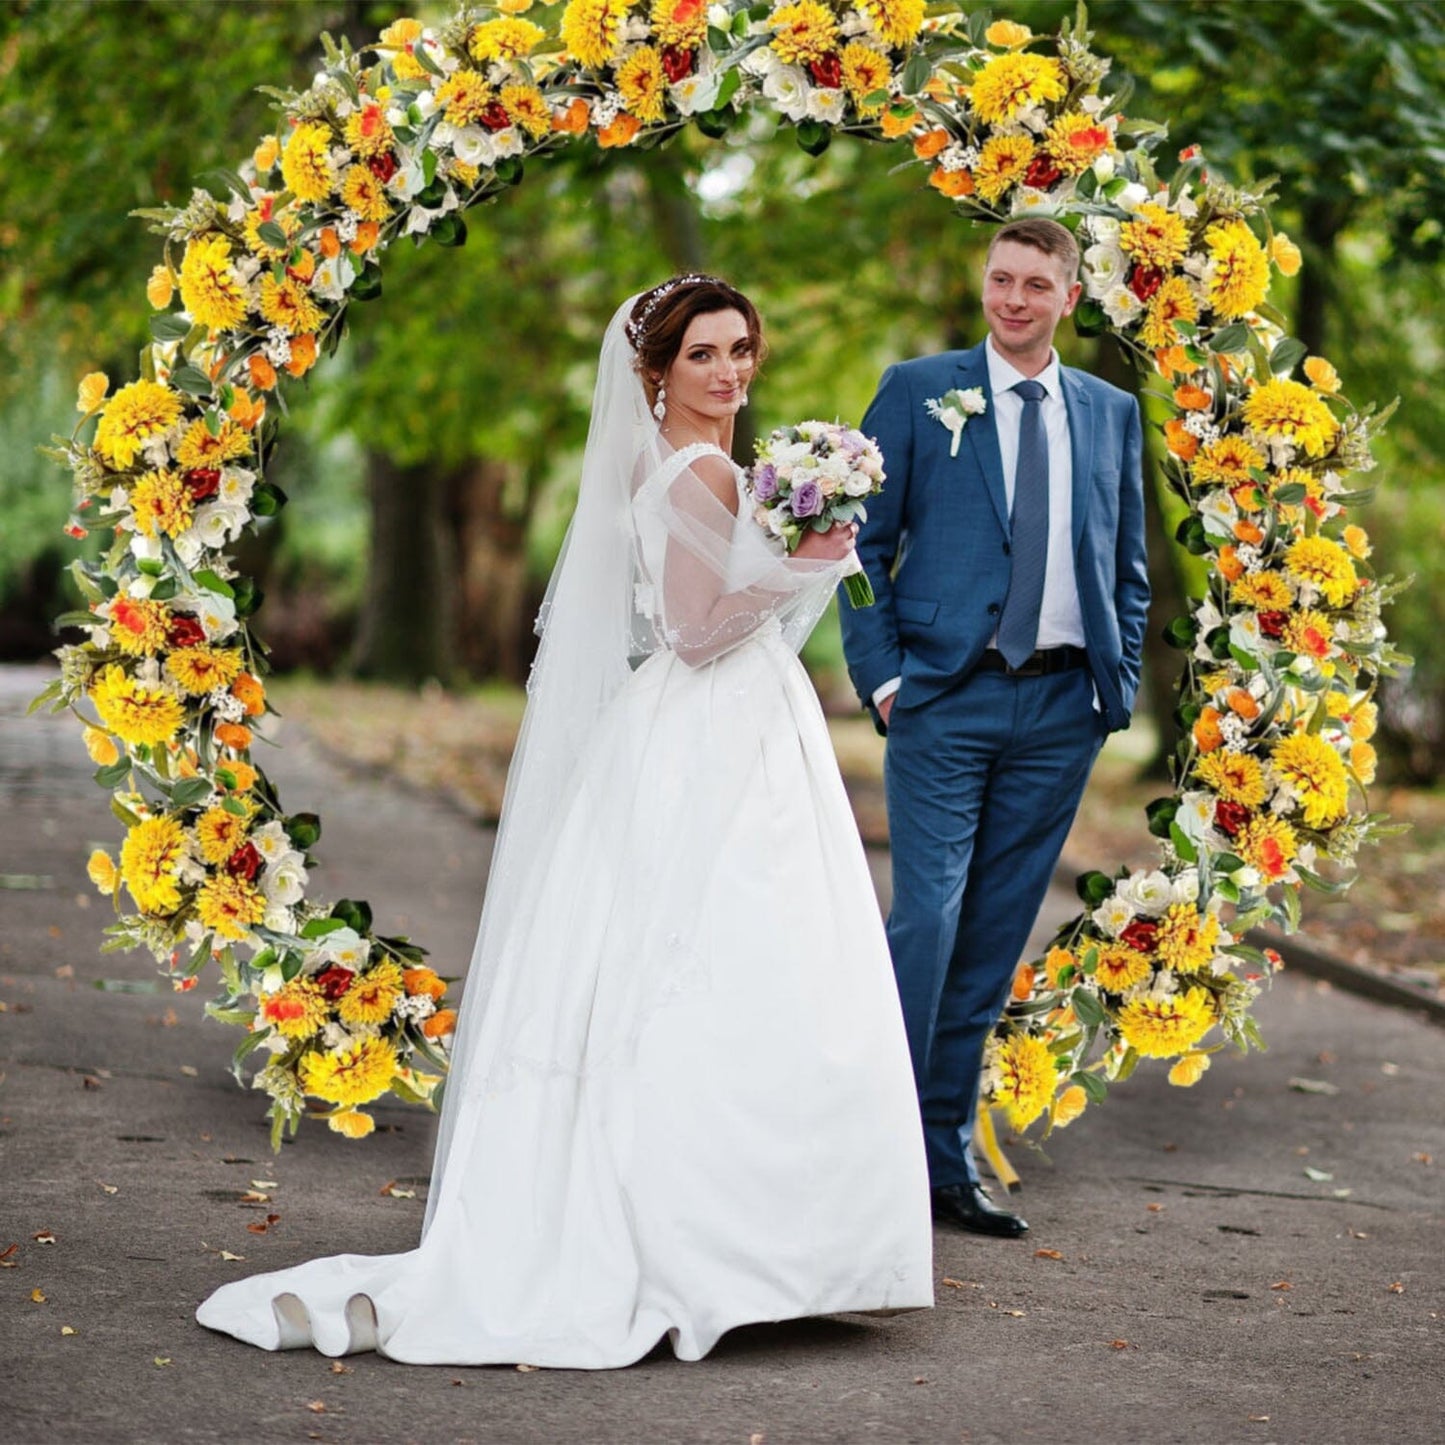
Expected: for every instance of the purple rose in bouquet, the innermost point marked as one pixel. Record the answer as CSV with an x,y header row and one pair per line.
x,y
807,499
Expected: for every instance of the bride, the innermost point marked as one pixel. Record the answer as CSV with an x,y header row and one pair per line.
x,y
680,1097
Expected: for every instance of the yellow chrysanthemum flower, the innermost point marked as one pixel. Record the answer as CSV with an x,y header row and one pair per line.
x,y
1289,409
1268,844
527,107
1325,564
1010,82
1171,303
201,448
464,95
131,417
1007,34
1322,375
1364,719
296,1010
504,39
91,392
466,176
200,670
1161,1025
220,833
1236,777
1226,462
162,504
398,39
1071,1102
133,711
592,30
1002,164
1310,632
229,906
368,132
101,870
1263,591
1156,237
1186,941
138,626
101,747
641,84
372,995
1026,1079
306,162
865,73
210,289
1285,254
288,304
1076,141
1239,278
1189,1070
680,23
1364,760
251,229
1120,967
160,287
352,1123
1317,774
895,21
353,1076
364,194
803,32
150,862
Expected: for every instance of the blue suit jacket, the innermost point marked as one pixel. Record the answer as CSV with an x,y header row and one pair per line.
x,y
935,543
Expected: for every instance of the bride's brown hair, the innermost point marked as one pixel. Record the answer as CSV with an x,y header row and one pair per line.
x,y
660,319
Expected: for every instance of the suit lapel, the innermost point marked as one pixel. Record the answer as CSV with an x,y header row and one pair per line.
x,y
981,433
1081,446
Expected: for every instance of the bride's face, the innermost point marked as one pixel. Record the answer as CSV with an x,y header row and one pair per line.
x,y
710,374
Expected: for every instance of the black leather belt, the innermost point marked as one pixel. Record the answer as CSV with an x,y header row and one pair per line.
x,y
1037,664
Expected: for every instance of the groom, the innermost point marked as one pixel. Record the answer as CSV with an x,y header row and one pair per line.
x,y
1008,563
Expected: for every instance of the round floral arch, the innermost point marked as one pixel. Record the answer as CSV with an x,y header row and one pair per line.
x,y
1281,657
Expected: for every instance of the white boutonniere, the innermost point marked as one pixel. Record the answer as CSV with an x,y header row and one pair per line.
x,y
954,408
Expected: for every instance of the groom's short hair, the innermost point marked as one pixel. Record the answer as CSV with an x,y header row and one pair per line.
x,y
1043,235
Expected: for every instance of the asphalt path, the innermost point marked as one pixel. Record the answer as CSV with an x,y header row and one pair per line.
x,y
1254,1259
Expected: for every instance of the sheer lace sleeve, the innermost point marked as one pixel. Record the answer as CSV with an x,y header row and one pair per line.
x,y
716,576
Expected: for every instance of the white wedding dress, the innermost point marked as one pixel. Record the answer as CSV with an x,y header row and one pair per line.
x,y
681,1099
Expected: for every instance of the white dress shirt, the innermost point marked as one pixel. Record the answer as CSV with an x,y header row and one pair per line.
x,y
1061,619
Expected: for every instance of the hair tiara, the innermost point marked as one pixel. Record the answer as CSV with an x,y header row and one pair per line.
x,y
637,329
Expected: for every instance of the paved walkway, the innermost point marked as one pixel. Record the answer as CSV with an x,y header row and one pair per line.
x,y
1185,1280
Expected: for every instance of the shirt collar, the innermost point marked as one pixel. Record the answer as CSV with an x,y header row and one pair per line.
x,y
1003,375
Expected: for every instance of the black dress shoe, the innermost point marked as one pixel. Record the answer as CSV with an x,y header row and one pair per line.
x,y
969,1207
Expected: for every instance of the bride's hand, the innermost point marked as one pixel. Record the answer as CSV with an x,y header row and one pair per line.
x,y
830,546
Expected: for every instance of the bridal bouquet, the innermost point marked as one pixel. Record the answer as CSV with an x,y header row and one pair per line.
x,y
812,476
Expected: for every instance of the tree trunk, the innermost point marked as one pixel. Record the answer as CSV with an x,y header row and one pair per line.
x,y
1161,669
408,614
489,511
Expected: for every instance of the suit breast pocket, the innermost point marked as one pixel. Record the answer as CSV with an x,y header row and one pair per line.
x,y
915,610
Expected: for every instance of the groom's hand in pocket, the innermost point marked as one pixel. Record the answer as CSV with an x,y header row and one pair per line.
x,y
885,708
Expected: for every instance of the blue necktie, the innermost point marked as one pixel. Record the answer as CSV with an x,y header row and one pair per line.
x,y
1018,628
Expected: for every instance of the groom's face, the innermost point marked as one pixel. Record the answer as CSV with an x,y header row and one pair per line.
x,y
1026,293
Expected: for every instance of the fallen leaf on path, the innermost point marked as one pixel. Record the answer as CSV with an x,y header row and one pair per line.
x,y
528,1369
189,1072
1358,1234
37,1296
1260,1419
960,1283
65,971
1282,1284
1313,1086
1423,1158
264,1184
255,1196
232,1258
5,1260
1157,1208
109,1188
262,1228
1398,1287
87,1082
1320,1176
317,1407
162,1360
337,1368
1048,1254
66,1330
1341,1193
1390,1070
44,1236
1118,1344
920,1379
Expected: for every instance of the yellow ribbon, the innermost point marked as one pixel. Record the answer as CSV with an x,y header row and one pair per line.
x,y
985,1142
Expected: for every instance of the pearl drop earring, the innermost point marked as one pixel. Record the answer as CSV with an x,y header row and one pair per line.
x,y
659,407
